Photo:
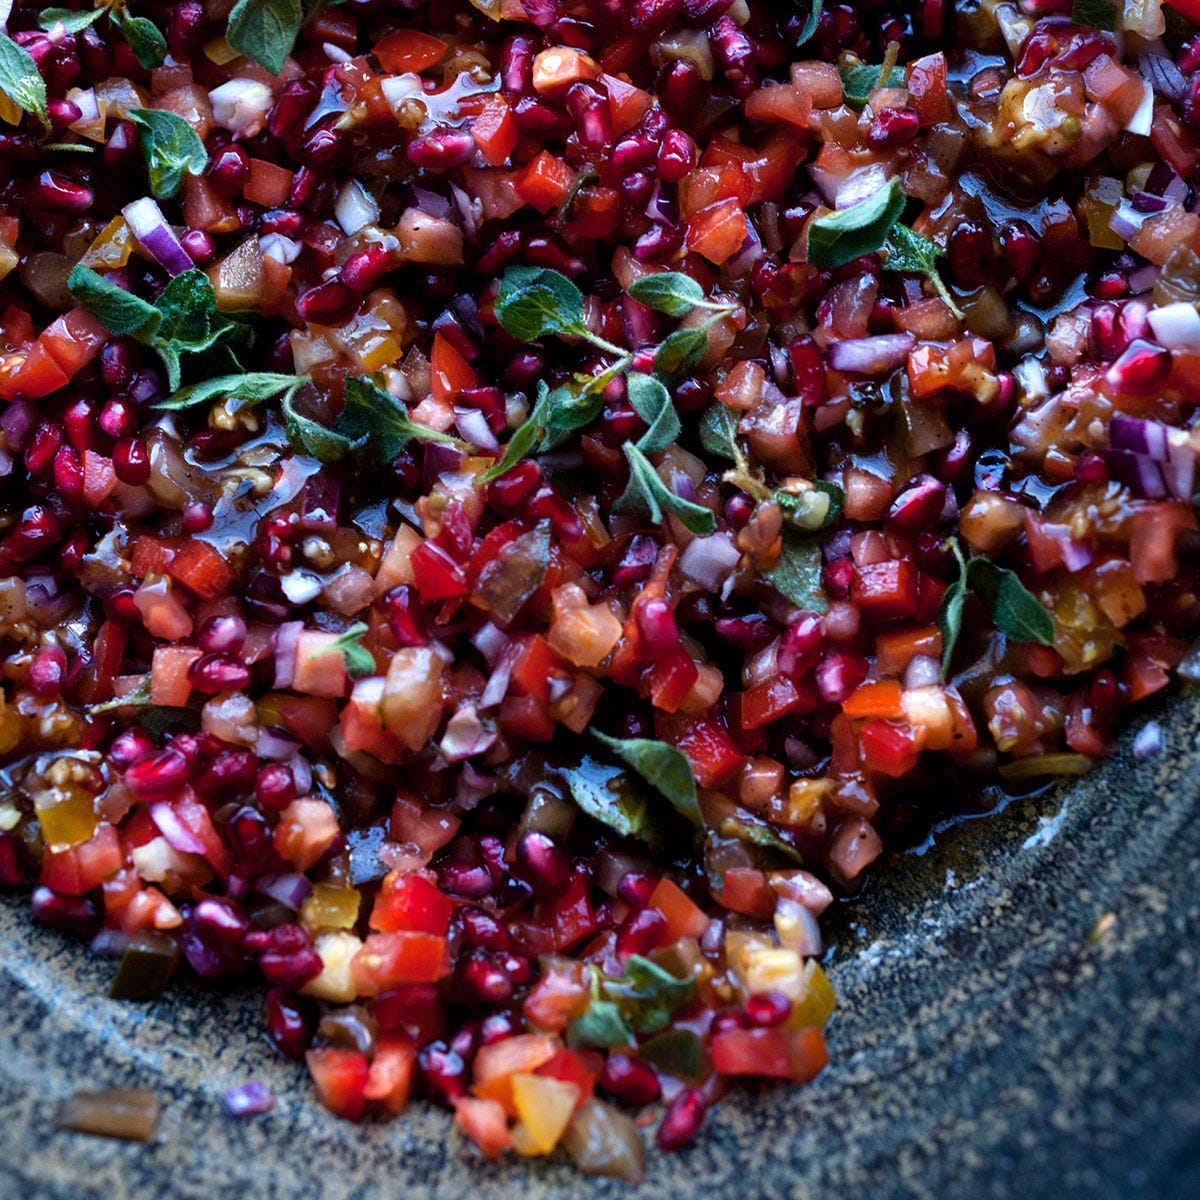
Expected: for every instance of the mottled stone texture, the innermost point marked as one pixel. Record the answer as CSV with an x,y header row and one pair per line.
x,y
984,1047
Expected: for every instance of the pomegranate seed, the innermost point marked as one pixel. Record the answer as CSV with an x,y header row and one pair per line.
x,y
229,169
486,982
441,150
443,1071
547,504
117,418
159,775
752,632
1143,368
128,746
329,303
969,251
406,618
516,64
682,1120
629,1079
285,955
680,88
131,461
213,673
893,127
291,110
362,271
643,933
121,148
185,27
79,916
39,455
635,888
1021,250
800,646
656,623
727,1020
677,156
53,192
197,517
470,880
496,1027
62,113
68,474
289,1025
590,110
768,1008
200,247
213,936
222,635
36,531
320,149
47,672
80,423
118,362
482,929
635,152
839,674
543,864
536,118
275,787
229,771
918,507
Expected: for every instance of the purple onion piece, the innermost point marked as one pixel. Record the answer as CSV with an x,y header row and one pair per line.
x,y
1138,472
474,427
870,355
16,421
178,835
289,890
1138,436
1149,742
287,639
1161,73
147,224
249,1099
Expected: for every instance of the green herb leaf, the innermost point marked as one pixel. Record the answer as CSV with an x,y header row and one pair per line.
x,y
842,236
810,25
265,30
568,409
251,388
609,795
373,415
311,437
679,352
172,149
1018,614
1098,14
760,834
859,82
356,658
647,995
523,442
662,767
148,45
138,698
73,22
906,250
669,292
797,574
647,493
601,1025
950,610
815,508
190,318
536,301
20,79
118,310
652,402
718,432
678,1052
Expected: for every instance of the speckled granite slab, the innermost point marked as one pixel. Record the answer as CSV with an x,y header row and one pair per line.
x,y
984,1047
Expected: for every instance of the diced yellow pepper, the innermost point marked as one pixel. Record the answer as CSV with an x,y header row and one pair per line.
x,y
111,247
330,907
817,1006
68,818
545,1107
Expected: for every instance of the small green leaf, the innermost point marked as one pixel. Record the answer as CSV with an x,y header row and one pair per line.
x,y
20,79
536,301
311,437
138,698
356,658
906,250
523,442
647,493
373,415
859,82
566,410
252,388
190,318
662,767
678,1052
814,508
652,402
608,794
811,23
1098,14
265,30
669,292
950,610
759,833
718,432
647,995
172,149
1018,614
118,310
601,1025
842,236
797,574
679,352
148,45
73,22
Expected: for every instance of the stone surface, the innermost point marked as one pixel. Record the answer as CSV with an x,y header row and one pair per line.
x,y
985,1046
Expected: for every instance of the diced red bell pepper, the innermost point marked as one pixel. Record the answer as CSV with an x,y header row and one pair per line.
x,y
535,666
776,1053
781,103
389,1080
340,1077
81,868
389,960
411,902
885,591
888,748
670,680
546,182
450,373
437,575
526,718
202,570
495,131
710,750
151,556
880,698
773,698
409,50
628,104
685,918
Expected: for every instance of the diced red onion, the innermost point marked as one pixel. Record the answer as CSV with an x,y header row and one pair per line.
x,y
1143,279
1180,471
441,458
1176,326
6,464
1141,437
179,836
290,890
1149,742
241,106
748,256
1137,471
871,355
302,774
147,223
709,561
473,786
470,209
1160,72
17,420
273,745
287,639
804,934
1147,202
282,249
474,427
497,685
466,735
89,106
249,1099
1143,115
662,206
355,207
431,202
336,53
844,191
490,642
1125,221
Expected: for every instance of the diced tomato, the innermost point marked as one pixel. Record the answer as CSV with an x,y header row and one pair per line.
x,y
896,648
320,669
409,50
1142,675
168,674
628,104
671,679
709,748
776,1053
73,340
495,131
558,997
745,890
99,479
885,591
685,918
485,1123
267,183
388,960
595,211
1154,539
535,667
570,1066
389,1079
888,748
306,830
450,373
546,182
37,375
151,556
780,103
718,232
436,575
202,570
425,827
1168,135
526,718
340,1077
411,902
772,699
83,867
